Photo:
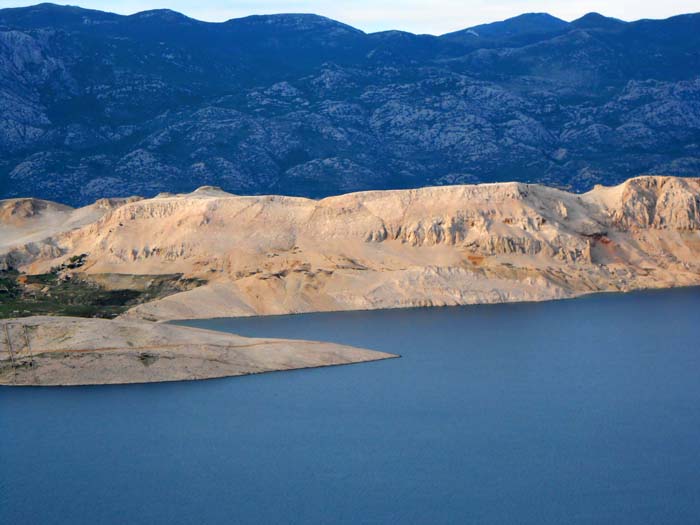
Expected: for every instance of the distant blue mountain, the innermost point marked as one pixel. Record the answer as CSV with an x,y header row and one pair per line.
x,y
598,21
97,104
525,25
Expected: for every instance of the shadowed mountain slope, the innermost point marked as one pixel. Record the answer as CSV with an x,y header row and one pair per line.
x,y
97,104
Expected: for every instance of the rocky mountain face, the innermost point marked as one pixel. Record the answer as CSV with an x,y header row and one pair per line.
x,y
450,245
96,104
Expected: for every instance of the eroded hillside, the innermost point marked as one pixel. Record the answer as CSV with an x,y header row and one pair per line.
x,y
433,246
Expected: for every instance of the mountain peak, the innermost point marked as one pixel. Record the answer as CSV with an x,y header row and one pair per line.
x,y
47,14
525,24
295,21
167,15
597,21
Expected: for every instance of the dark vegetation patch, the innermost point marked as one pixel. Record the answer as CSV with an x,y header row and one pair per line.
x,y
72,294
147,359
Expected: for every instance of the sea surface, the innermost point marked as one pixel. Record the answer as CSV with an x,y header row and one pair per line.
x,y
582,411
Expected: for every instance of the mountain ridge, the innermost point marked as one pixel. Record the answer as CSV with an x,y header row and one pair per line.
x,y
314,107
171,14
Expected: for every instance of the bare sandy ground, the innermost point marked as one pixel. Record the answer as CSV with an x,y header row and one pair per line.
x,y
74,351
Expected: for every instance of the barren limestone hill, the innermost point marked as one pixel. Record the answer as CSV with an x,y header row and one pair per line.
x,y
71,351
23,221
444,245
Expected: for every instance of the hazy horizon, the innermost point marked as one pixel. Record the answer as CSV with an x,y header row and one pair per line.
x,y
438,17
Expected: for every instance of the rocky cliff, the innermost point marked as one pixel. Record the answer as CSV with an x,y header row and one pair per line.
x,y
432,246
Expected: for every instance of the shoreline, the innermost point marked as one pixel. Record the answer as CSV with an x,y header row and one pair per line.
x,y
214,378
129,354
582,295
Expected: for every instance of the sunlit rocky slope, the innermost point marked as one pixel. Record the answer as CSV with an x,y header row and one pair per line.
x,y
382,249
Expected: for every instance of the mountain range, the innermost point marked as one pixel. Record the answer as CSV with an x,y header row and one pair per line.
x,y
96,104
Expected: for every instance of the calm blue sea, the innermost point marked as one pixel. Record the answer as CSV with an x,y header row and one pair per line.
x,y
582,411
